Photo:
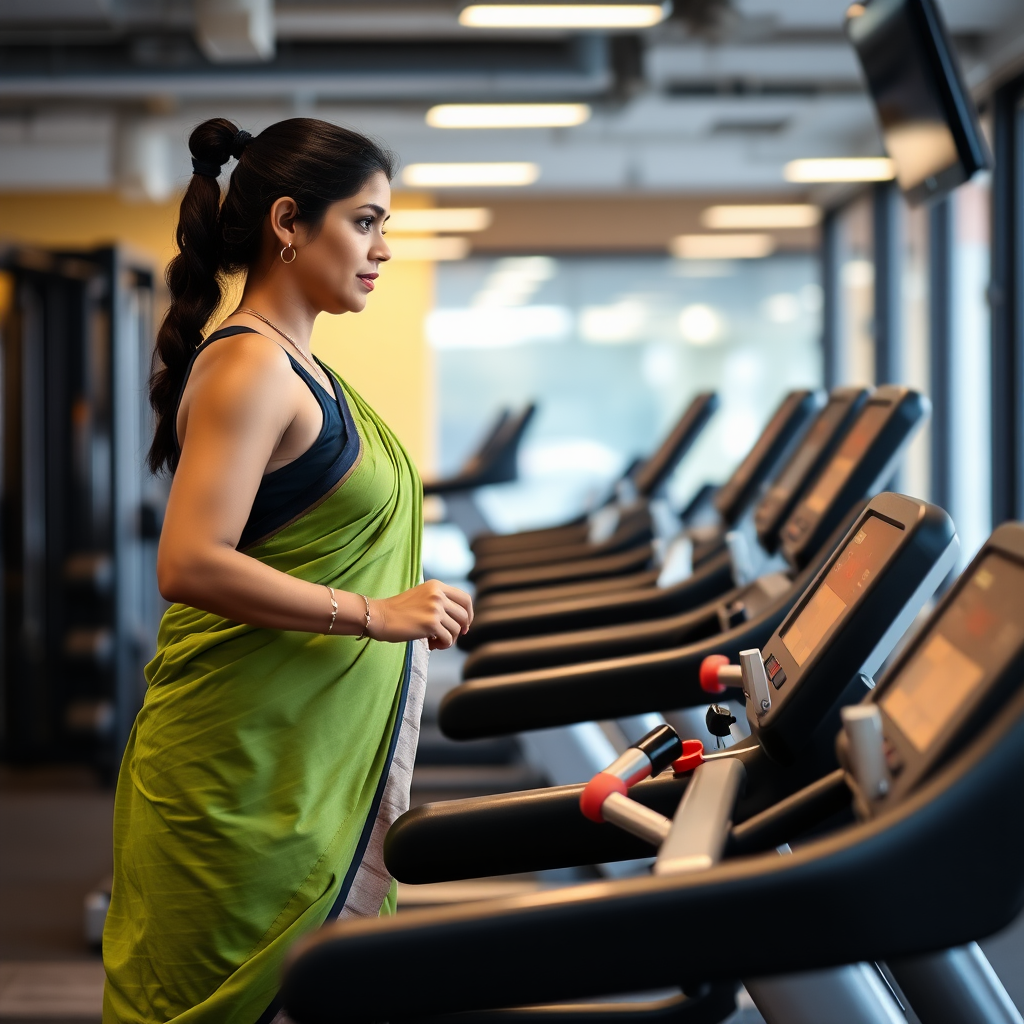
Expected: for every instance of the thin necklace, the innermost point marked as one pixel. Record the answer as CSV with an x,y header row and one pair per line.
x,y
317,372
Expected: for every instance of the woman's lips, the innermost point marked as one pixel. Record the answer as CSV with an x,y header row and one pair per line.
x,y
368,280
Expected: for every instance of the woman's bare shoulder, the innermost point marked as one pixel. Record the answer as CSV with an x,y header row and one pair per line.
x,y
248,361
242,373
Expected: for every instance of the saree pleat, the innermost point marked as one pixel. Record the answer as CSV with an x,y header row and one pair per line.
x,y
257,762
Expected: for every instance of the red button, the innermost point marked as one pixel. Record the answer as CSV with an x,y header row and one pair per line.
x,y
693,755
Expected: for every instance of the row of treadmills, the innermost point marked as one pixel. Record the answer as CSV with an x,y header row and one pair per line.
x,y
819,771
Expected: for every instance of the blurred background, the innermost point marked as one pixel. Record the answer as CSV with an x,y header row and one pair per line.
x,y
601,217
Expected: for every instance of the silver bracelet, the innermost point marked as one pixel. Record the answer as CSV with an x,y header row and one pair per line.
x,y
334,607
365,635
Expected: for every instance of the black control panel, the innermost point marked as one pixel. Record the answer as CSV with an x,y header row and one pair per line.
x,y
959,670
855,603
789,419
824,434
860,464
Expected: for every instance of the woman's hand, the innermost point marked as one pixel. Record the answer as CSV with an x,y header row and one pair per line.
x,y
433,610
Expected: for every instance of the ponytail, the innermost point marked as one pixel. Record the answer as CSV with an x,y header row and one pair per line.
x,y
314,162
193,279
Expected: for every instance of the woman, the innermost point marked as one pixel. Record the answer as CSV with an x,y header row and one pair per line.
x,y
276,739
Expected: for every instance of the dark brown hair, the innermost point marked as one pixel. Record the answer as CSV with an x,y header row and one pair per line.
x,y
314,162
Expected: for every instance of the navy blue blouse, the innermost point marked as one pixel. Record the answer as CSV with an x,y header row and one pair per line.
x,y
285,493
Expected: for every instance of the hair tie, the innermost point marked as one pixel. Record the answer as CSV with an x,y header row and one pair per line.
x,y
241,140
205,168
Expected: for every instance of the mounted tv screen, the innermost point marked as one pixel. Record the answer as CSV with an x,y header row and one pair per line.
x,y
929,122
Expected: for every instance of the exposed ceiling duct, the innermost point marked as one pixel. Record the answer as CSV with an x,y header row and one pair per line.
x,y
235,31
173,67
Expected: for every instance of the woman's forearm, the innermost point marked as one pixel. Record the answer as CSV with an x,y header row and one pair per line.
x,y
228,583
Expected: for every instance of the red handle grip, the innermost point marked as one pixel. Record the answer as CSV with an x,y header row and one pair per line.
x,y
709,673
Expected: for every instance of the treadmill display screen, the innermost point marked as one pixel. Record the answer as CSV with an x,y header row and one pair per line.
x,y
977,635
868,426
815,440
858,564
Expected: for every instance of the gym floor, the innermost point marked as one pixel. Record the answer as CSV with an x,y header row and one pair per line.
x,y
56,826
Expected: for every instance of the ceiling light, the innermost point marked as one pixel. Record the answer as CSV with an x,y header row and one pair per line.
x,y
843,168
700,324
774,215
429,249
452,218
507,115
722,247
470,175
564,15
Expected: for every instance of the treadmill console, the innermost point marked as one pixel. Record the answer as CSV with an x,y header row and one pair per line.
x,y
850,617
788,421
647,478
825,432
861,463
955,675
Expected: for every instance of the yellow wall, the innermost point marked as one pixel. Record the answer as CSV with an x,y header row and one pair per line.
x,y
381,352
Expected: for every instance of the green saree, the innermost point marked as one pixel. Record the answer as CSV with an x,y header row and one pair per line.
x,y
252,790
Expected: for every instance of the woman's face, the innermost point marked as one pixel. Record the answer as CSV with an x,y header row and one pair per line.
x,y
339,266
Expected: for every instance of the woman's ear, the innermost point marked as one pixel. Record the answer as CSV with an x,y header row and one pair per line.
x,y
284,214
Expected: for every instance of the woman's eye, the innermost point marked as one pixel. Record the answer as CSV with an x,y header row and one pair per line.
x,y
366,223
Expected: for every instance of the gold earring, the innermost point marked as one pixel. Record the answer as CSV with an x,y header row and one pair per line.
x,y
288,248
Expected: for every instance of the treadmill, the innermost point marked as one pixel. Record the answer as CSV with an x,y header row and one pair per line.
x,y
811,907
885,425
814,448
823,656
663,679
810,457
495,459
632,538
642,481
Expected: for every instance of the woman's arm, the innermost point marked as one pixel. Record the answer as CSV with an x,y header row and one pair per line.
x,y
245,407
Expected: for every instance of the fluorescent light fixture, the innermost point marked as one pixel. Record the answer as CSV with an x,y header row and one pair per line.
x,y
507,115
429,250
564,15
470,175
842,168
451,218
773,215
700,324
620,322
495,327
722,247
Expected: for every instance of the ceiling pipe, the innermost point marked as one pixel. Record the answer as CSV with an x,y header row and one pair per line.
x,y
235,31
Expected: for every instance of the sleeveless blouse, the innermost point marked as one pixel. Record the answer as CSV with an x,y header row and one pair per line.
x,y
286,493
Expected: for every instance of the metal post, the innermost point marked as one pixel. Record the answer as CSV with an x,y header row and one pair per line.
x,y
1007,304
956,986
940,329
887,238
831,356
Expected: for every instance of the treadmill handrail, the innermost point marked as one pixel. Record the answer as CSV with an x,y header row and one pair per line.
x,y
708,582
610,688
543,947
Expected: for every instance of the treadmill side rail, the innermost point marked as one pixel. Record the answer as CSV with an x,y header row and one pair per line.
x,y
700,827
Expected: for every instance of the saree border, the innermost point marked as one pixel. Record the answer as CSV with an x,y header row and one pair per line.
x,y
371,817
274,1007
